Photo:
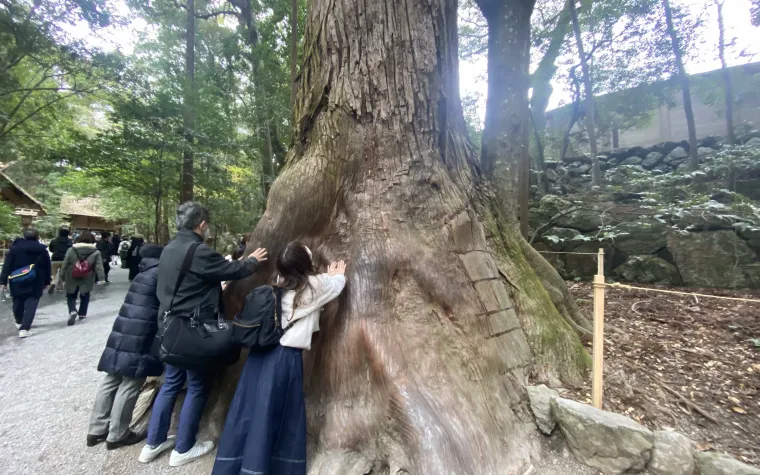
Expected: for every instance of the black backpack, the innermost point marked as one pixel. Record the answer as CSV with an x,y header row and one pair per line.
x,y
257,326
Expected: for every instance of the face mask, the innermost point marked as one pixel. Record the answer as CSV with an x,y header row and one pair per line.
x,y
207,232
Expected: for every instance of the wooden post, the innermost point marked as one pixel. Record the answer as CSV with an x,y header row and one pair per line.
x,y
596,387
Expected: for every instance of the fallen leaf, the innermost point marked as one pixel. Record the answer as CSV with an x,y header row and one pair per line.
x,y
702,446
734,400
739,410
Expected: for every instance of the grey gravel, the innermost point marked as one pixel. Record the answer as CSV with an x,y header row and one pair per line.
x,y
47,389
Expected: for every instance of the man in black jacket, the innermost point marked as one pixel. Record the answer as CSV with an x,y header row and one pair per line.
x,y
104,246
58,246
201,288
26,293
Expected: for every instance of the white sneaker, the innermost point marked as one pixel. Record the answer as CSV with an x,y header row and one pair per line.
x,y
199,450
24,333
149,454
18,326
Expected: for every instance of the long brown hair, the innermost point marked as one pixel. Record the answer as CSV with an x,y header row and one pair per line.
x,y
294,267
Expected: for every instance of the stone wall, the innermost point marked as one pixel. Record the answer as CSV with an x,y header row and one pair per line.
x,y
656,222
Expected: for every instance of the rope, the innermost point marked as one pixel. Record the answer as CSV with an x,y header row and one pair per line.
x,y
576,253
623,286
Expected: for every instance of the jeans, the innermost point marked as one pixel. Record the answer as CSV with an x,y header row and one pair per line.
x,y
84,302
114,404
24,309
192,408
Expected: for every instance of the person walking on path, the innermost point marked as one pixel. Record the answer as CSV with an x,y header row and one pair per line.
x,y
26,251
201,288
127,359
265,430
115,241
104,247
82,264
133,256
124,252
59,246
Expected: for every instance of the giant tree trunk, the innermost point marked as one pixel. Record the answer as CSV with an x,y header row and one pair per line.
x,y
685,89
420,366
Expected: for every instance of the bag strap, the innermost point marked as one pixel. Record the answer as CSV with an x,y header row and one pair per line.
x,y
183,272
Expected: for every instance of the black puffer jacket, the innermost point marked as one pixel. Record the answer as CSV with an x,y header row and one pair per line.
x,y
60,245
128,350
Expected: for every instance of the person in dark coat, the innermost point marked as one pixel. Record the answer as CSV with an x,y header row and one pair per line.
x,y
59,246
26,295
104,246
127,359
133,256
115,241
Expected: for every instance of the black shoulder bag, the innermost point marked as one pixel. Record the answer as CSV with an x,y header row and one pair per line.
x,y
257,326
193,342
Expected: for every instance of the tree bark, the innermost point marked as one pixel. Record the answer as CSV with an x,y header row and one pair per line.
x,y
420,365
293,52
685,89
186,191
588,87
728,86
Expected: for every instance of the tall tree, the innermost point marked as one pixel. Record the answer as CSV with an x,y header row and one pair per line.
x,y
380,145
588,91
293,51
683,79
728,86
188,115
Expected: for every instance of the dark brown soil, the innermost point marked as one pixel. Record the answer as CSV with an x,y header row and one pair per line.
x,y
705,350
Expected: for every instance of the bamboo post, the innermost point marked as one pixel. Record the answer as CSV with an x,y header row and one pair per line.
x,y
596,387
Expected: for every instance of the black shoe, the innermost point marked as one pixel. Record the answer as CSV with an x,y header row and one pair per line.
x,y
82,317
93,440
72,318
130,439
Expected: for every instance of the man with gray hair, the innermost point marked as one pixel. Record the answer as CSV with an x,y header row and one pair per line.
x,y
200,289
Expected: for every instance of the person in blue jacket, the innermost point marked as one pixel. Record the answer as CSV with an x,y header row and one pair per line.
x,y
127,359
26,294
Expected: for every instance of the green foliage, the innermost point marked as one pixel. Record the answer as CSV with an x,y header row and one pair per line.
x,y
9,223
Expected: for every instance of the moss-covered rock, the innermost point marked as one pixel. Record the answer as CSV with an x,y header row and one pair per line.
x,y
648,270
712,258
643,236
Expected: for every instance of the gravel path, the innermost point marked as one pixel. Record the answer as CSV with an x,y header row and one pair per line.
x,y
47,388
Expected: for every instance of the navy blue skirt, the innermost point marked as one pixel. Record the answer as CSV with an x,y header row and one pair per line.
x,y
265,430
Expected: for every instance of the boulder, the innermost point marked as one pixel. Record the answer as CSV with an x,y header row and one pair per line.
x,y
701,220
751,234
683,167
711,141
561,239
672,454
579,170
551,175
702,151
753,142
583,220
631,161
713,463
678,153
609,442
582,265
648,270
752,275
641,237
711,258
540,403
652,159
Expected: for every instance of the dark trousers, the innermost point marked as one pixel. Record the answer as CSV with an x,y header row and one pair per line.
x,y
84,302
106,268
192,408
24,309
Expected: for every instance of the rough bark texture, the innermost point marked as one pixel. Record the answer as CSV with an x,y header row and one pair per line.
x,y
188,116
293,51
588,90
683,78
728,86
420,365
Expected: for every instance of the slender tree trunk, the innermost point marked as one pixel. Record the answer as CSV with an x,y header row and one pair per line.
x,y
293,52
728,86
588,87
685,89
186,191
420,365
542,90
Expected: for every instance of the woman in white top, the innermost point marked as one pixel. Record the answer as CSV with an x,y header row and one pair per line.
x,y
265,430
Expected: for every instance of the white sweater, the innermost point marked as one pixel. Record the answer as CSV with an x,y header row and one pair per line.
x,y
305,319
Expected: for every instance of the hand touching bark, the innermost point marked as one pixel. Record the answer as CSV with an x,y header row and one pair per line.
x,y
259,254
337,268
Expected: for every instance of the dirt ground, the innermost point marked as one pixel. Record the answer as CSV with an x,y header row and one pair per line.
x,y
692,364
